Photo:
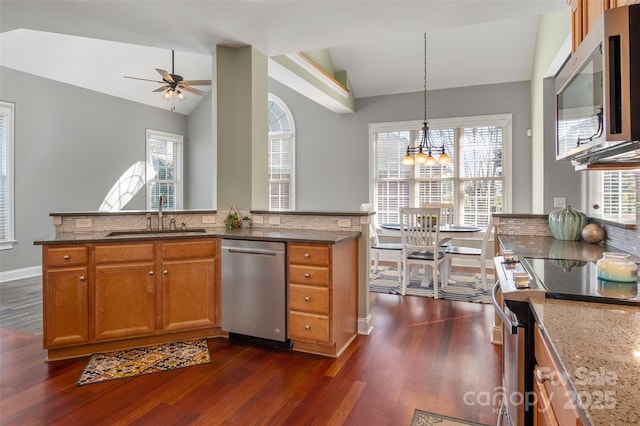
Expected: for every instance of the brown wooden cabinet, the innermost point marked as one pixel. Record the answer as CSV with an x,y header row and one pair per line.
x,y
108,296
554,403
322,293
125,290
65,281
584,14
188,285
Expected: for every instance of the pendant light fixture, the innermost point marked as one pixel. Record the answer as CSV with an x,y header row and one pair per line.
x,y
416,155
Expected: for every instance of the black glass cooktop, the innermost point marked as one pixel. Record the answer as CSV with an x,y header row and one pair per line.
x,y
576,280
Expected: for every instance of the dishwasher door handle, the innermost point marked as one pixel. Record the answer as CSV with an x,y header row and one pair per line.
x,y
253,251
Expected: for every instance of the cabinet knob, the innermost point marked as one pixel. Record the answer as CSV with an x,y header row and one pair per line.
x,y
307,298
150,272
307,255
65,257
542,377
307,275
82,278
307,327
165,272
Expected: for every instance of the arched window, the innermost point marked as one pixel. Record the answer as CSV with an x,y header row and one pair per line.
x,y
281,155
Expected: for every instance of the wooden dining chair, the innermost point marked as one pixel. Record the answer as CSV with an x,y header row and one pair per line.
x,y
420,232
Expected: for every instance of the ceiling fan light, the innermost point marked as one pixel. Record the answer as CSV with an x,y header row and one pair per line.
x,y
180,96
168,95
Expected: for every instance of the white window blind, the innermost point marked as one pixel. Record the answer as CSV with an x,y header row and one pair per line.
x,y
281,155
164,169
474,180
618,193
6,175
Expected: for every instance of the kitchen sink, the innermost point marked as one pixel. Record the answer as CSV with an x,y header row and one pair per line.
x,y
153,232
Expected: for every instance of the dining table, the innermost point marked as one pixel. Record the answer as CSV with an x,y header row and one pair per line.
x,y
446,229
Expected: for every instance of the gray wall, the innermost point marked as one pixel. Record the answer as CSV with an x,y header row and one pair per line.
x,y
200,158
71,144
332,160
560,178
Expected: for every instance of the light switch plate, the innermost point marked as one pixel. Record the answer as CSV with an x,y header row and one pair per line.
x,y
559,201
208,219
84,223
344,223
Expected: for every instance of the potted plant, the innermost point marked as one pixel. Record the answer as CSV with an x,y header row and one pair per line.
x,y
245,222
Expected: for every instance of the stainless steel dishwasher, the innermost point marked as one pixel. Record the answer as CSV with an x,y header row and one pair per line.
x,y
254,296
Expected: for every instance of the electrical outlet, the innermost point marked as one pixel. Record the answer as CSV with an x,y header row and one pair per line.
x,y
274,220
559,201
84,223
208,219
344,223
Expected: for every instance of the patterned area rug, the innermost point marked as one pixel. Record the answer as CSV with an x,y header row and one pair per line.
x,y
467,286
422,418
144,360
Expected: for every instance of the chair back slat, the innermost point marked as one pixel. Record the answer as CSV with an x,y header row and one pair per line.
x,y
420,228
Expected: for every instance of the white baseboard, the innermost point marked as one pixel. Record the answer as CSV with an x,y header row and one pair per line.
x,y
17,274
365,325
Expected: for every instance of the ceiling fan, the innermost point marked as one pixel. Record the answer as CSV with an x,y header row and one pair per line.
x,y
174,84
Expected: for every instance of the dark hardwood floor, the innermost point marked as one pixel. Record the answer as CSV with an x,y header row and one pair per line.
x,y
434,355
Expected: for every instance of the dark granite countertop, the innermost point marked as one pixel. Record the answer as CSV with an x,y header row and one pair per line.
x,y
256,234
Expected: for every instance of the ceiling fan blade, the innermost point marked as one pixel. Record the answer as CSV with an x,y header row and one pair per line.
x,y
165,75
163,88
144,79
190,89
197,82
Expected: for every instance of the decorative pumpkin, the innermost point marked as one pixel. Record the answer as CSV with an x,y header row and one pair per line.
x,y
592,233
567,223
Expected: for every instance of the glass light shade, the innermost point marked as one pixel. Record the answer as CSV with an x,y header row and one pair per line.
x,y
430,161
180,96
444,158
408,160
168,95
421,158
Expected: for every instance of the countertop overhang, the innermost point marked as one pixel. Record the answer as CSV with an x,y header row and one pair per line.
x,y
259,234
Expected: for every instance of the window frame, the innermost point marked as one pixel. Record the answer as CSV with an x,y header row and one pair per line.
x,y
595,204
291,135
7,109
457,123
178,141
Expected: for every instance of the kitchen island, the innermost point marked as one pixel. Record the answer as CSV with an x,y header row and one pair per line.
x,y
113,285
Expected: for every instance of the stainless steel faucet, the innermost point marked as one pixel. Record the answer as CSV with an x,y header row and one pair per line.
x,y
161,201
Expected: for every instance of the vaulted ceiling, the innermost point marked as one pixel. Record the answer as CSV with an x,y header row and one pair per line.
x,y
93,44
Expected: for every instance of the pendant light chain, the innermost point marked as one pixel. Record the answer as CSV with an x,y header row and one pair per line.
x,y
425,77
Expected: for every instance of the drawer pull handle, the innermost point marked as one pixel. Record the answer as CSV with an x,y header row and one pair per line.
x,y
307,327
307,255
150,272
307,298
542,377
165,272
66,257
307,275
82,278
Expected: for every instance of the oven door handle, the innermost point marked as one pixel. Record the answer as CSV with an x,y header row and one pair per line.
x,y
501,313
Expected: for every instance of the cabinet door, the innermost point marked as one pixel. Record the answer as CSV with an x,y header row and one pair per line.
x,y
66,307
125,300
188,294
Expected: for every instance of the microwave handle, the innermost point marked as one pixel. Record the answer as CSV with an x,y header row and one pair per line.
x,y
501,313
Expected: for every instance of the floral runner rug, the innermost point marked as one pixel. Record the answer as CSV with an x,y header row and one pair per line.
x,y
423,418
144,360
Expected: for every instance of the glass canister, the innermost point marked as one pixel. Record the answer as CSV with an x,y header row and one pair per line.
x,y
617,267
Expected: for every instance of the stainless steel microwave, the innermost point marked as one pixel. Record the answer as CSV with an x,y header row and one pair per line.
x,y
598,91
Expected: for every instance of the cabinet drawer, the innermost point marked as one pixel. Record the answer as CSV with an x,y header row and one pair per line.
x,y
67,256
124,252
188,249
316,254
309,327
312,275
549,376
309,299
